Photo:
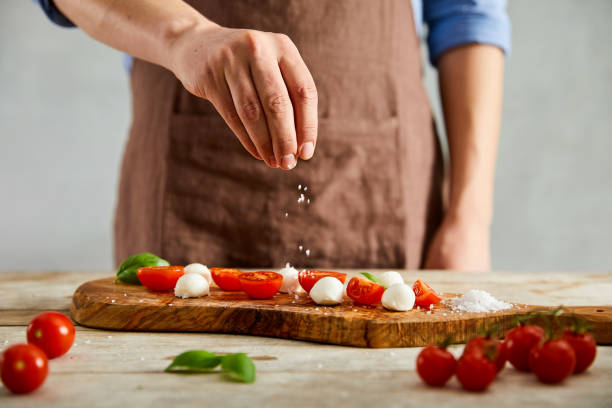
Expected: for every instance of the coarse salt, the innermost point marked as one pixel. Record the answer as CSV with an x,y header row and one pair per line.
x,y
477,301
300,248
308,252
299,186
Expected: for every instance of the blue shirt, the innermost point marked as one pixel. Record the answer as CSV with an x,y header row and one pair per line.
x,y
450,23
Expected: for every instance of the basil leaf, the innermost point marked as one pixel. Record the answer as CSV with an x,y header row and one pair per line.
x,y
128,268
239,367
194,361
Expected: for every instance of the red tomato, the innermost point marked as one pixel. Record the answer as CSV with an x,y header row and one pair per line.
x,y
553,361
585,348
364,291
23,368
519,342
475,371
261,285
309,277
425,295
160,277
227,278
435,365
52,332
492,346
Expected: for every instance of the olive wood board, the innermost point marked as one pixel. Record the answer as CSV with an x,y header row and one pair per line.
x,y
106,304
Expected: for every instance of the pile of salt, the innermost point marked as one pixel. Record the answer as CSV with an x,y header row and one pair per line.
x,y
477,301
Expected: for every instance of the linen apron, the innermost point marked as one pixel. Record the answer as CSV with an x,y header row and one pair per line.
x,y
189,192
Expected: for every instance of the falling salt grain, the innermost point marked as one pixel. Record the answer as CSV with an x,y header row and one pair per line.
x,y
308,252
305,188
299,186
308,201
286,214
300,248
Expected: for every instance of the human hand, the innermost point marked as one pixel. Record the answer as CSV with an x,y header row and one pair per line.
x,y
259,84
460,244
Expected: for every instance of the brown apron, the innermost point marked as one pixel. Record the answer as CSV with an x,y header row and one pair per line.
x,y
190,192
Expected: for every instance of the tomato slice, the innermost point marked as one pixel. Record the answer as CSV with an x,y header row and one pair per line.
x,y
160,277
309,277
226,278
364,291
425,295
261,285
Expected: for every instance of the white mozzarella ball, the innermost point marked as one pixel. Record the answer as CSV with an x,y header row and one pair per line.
x,y
201,269
191,285
290,280
399,297
327,291
390,278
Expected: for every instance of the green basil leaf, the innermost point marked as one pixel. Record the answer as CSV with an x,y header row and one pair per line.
x,y
372,278
194,361
239,367
128,268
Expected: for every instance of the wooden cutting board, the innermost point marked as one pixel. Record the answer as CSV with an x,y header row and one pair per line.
x,y
105,304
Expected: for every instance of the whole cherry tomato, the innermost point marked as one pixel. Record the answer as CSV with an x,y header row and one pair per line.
x,y
552,361
261,285
585,348
160,278
519,342
309,277
425,295
491,345
227,278
435,365
475,371
364,291
23,368
52,332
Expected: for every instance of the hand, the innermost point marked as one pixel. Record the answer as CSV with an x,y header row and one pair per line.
x,y
259,84
460,245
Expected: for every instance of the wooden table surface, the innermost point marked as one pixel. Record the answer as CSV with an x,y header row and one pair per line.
x,y
117,368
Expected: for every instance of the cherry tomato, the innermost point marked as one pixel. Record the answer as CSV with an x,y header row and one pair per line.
x,y
519,342
52,332
489,345
425,295
160,277
261,285
309,277
553,361
435,365
227,278
23,368
585,348
475,371
364,291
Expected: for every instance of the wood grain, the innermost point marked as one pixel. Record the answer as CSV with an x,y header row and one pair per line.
x,y
108,305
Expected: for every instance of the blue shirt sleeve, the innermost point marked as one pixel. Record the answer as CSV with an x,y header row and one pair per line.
x,y
53,13
453,23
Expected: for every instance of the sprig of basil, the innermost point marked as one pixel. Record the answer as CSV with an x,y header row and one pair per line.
x,y
238,367
128,268
372,278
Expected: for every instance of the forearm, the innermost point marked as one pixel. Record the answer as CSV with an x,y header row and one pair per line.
x,y
142,28
471,87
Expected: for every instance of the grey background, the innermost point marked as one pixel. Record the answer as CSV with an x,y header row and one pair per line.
x,y
64,116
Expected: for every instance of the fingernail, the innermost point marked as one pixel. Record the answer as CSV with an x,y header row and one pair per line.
x,y
272,161
288,162
307,150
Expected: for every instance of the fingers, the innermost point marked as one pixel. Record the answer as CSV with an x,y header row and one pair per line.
x,y
249,110
226,107
277,106
303,93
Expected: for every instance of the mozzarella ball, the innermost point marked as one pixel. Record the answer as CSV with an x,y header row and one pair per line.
x,y
201,269
399,297
390,278
191,285
327,291
290,280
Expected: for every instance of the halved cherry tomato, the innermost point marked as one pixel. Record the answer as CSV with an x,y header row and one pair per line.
x,y
425,295
309,277
23,368
261,285
160,277
364,291
52,332
226,278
